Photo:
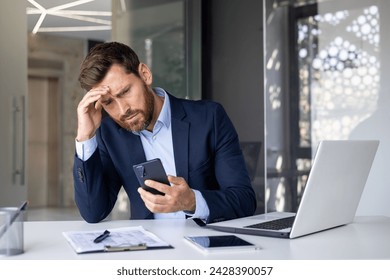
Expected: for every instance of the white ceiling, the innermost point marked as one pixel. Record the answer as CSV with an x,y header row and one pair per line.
x,y
88,19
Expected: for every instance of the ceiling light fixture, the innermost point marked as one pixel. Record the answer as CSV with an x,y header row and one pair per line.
x,y
76,28
59,11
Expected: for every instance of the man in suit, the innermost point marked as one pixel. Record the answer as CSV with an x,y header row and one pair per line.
x,y
195,140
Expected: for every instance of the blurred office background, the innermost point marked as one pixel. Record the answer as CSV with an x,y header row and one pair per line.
x,y
289,74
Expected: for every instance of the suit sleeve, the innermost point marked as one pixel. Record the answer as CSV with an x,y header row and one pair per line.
x,y
96,186
235,197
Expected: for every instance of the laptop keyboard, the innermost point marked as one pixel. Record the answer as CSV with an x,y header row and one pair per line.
x,y
275,225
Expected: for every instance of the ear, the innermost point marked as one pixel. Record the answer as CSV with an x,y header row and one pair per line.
x,y
145,73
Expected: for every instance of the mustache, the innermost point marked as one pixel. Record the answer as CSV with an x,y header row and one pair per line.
x,y
128,114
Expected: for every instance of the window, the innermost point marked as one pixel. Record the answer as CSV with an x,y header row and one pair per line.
x,y
322,81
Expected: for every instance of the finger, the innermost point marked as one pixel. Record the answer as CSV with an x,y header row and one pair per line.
x,y
96,93
98,105
148,196
101,88
155,208
157,203
152,202
91,101
158,186
143,193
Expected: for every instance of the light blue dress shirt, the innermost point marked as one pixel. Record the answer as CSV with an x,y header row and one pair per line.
x,y
156,144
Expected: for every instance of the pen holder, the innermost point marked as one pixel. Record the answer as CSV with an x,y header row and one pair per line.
x,y
11,231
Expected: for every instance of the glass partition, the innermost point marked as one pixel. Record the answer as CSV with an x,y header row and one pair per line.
x,y
325,79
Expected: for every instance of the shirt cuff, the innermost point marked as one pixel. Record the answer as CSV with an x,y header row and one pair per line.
x,y
85,149
202,210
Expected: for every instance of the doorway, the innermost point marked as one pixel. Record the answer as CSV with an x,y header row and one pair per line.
x,y
44,155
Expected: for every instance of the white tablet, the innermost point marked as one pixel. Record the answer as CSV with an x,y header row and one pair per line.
x,y
221,243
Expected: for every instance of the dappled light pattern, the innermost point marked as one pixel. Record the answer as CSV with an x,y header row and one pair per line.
x,y
338,88
338,73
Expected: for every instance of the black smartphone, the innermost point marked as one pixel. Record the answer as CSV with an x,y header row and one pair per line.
x,y
153,170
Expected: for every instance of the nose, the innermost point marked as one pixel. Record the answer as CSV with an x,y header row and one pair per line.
x,y
122,107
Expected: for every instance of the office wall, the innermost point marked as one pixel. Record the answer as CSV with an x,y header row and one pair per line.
x,y
237,63
13,89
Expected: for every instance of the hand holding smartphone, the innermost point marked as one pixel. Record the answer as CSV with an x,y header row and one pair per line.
x,y
153,170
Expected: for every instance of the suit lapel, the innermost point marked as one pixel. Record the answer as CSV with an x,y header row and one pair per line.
x,y
135,146
180,147
180,134
136,156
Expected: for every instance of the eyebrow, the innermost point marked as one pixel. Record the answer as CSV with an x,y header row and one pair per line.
x,y
126,88
108,98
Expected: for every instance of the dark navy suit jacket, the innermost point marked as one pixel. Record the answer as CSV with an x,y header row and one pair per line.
x,y
207,155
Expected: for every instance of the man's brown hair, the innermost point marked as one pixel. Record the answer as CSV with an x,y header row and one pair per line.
x,y
101,57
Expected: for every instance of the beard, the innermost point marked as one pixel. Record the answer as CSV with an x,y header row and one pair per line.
x,y
138,120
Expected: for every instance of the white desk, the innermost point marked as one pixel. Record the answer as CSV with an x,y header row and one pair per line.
x,y
366,238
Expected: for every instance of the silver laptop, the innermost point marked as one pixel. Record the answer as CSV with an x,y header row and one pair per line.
x,y
330,199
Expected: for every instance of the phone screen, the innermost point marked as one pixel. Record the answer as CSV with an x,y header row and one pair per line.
x,y
220,243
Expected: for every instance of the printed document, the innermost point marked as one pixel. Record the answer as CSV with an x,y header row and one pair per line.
x,y
125,237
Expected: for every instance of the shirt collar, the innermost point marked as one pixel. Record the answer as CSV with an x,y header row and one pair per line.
x,y
165,114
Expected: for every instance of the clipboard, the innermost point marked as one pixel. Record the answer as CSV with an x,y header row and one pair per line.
x,y
120,240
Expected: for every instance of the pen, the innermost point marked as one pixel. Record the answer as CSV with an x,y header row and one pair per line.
x,y
14,217
101,237
138,247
